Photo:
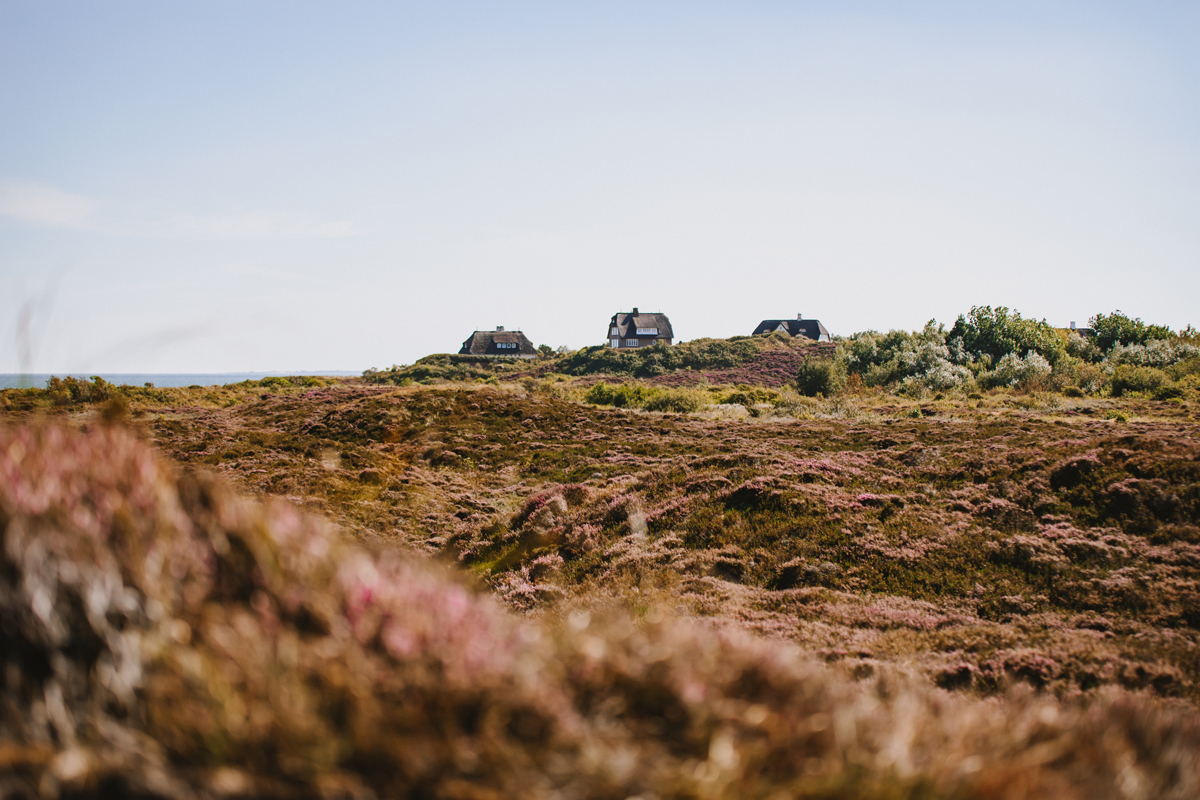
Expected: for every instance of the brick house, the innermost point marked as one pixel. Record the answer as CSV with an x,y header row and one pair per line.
x,y
498,343
635,329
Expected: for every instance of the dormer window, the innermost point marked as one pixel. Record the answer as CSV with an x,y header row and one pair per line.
x,y
506,345
647,331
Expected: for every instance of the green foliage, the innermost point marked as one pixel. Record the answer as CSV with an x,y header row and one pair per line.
x,y
1083,348
1118,328
995,332
922,359
1138,379
681,401
449,367
1182,369
69,391
282,382
820,377
626,395
750,396
645,362
650,398
1015,372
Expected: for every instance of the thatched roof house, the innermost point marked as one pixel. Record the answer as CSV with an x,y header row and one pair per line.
x,y
636,329
499,343
810,328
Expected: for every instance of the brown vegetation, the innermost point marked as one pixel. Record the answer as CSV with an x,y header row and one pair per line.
x,y
864,596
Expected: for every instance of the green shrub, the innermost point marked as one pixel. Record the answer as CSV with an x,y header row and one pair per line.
x,y
1167,393
881,375
625,395
750,396
1138,379
1083,348
1181,369
1073,391
285,382
820,377
448,367
644,362
681,401
650,398
997,332
921,359
66,391
1117,328
1014,371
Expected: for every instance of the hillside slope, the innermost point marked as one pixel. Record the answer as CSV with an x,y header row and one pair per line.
x,y
980,542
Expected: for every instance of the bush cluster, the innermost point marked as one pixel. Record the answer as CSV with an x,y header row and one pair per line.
x,y
650,398
66,391
448,367
922,359
989,334
287,381
823,377
998,348
1117,328
646,362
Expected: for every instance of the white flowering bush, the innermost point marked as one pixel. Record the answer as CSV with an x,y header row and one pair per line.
x,y
943,375
1157,353
1083,348
1016,371
919,360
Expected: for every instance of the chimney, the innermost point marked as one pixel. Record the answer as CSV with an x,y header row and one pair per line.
x,y
635,311
1072,324
799,317
499,327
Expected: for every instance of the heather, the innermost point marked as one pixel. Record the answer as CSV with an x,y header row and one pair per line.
x,y
942,533
165,636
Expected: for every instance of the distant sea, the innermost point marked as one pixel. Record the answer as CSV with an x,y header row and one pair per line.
x,y
159,379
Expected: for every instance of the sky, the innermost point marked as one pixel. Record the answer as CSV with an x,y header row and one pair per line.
x,y
246,185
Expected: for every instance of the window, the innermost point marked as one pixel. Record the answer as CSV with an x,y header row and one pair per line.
x,y
647,331
506,345
614,332
631,342
614,342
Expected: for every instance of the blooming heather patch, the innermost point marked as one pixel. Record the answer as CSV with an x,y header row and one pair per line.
x,y
165,637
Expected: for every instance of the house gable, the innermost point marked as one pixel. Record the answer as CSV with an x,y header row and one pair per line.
x,y
635,329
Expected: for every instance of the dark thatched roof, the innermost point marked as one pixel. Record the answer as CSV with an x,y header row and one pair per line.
x,y
628,323
811,328
487,343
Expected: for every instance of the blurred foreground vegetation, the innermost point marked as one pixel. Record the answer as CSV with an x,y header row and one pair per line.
x,y
165,637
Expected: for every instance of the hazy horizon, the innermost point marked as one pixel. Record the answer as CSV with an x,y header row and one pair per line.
x,y
213,187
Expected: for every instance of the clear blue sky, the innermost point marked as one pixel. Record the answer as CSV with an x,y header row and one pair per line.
x,y
221,186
